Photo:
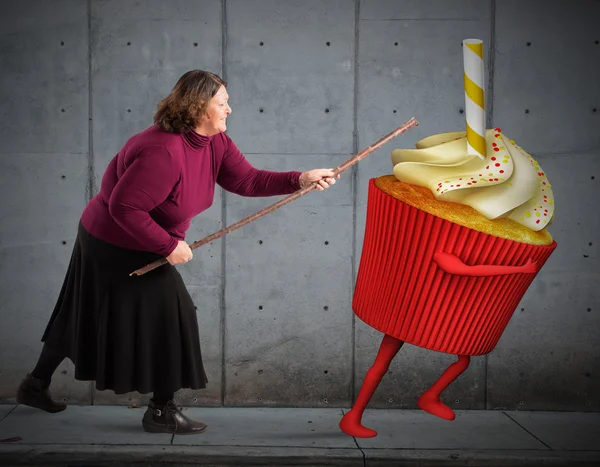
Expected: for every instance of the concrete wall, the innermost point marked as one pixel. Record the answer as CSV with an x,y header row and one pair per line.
x,y
78,78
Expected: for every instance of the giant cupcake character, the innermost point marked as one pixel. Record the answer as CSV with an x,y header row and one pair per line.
x,y
453,239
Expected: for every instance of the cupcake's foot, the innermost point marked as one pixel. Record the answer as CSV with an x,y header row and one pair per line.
x,y
350,424
433,405
169,419
430,400
35,392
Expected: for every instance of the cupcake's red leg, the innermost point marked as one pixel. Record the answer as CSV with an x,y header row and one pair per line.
x,y
430,400
351,422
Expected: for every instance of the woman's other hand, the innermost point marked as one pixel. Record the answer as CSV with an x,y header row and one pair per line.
x,y
181,254
322,177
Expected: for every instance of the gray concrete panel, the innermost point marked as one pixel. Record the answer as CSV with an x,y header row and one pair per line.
x,y
29,293
550,351
421,77
79,425
277,427
288,327
429,10
139,52
43,196
44,83
546,74
304,86
562,431
413,371
575,180
470,430
5,410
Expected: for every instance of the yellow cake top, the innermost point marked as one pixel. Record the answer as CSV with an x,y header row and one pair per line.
x,y
422,198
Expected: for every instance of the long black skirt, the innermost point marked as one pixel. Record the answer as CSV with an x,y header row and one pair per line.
x,y
126,333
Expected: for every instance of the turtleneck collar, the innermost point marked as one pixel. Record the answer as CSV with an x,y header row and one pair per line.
x,y
196,140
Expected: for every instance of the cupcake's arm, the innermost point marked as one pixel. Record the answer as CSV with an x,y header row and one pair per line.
x,y
453,265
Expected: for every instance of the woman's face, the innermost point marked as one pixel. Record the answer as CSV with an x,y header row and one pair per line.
x,y
215,120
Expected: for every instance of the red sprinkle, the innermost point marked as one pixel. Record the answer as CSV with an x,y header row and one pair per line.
x,y
497,165
502,171
496,149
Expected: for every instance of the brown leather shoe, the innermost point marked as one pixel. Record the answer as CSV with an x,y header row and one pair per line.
x,y
34,392
169,419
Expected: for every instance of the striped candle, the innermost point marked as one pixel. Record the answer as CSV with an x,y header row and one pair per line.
x,y
474,97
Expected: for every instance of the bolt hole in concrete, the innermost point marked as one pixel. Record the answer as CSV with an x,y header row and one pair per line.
x,y
596,42
260,307
396,44
62,110
590,244
326,111
326,371
390,400
63,177
260,242
63,242
62,43
128,110
461,111
129,43
594,110
526,111
394,110
592,177
260,372
328,44
195,44
589,309
262,43
326,308
456,401
325,400
261,110
521,402
326,242
528,44
195,399
260,399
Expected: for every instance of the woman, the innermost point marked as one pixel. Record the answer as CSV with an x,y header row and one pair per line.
x,y
140,333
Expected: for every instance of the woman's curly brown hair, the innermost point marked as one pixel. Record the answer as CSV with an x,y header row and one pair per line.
x,y
182,109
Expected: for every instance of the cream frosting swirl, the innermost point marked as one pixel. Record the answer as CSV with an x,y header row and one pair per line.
x,y
508,183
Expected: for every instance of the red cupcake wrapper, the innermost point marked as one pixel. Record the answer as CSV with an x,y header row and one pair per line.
x,y
401,291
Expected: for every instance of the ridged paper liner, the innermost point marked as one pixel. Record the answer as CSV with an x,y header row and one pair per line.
x,y
402,292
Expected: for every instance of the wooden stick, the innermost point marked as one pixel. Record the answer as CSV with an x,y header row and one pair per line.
x,y
350,162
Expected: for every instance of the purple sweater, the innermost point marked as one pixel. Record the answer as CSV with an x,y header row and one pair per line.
x,y
159,181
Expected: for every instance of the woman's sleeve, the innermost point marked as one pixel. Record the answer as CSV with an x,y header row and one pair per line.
x,y
238,176
145,184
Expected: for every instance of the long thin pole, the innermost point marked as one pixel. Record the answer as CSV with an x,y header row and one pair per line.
x,y
349,163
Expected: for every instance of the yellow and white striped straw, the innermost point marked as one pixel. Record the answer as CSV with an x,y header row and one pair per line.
x,y
474,97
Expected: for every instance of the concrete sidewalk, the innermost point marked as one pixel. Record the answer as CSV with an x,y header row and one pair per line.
x,y
112,435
